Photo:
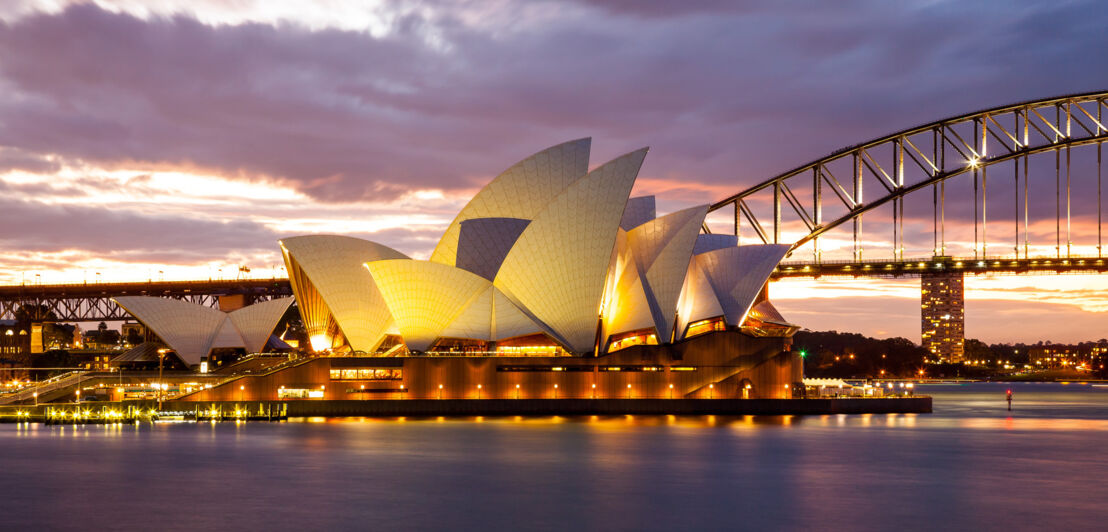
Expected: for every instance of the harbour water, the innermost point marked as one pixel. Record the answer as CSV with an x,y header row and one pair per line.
x,y
969,465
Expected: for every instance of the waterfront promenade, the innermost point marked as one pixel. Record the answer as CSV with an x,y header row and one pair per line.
x,y
475,407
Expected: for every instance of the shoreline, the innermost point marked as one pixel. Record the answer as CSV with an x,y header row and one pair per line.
x,y
114,412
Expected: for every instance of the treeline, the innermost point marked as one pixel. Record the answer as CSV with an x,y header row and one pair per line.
x,y
832,354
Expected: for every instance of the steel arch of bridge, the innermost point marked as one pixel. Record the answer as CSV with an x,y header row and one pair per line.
x,y
1008,133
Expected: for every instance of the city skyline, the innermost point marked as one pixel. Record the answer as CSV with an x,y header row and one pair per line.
x,y
221,128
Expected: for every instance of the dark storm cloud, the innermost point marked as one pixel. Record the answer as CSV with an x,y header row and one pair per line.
x,y
724,93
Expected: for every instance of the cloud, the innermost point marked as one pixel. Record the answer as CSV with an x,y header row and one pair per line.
x,y
348,115
129,125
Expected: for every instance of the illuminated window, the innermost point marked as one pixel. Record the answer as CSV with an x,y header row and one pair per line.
x,y
706,326
379,374
640,337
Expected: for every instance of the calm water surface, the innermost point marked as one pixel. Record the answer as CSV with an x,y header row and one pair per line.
x,y
970,465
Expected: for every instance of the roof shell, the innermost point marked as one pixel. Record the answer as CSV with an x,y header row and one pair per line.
x,y
738,274
425,297
336,286
569,245
186,327
520,192
255,323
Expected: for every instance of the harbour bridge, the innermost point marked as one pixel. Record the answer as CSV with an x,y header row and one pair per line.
x,y
93,301
1039,216
1044,159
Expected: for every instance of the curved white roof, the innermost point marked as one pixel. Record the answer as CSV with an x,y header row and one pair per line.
x,y
520,192
188,328
426,297
330,283
194,330
638,211
484,242
738,274
624,307
255,323
663,248
569,245
698,300
713,241
650,269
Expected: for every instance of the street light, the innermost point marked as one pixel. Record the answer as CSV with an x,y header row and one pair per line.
x,y
161,360
555,391
594,391
628,391
478,391
711,391
440,391
517,391
671,391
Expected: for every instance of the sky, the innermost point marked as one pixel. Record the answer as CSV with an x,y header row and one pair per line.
x,y
180,139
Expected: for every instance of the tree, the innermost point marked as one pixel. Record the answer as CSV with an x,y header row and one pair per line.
x,y
25,315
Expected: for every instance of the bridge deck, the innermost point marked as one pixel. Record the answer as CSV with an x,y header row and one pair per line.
x,y
918,267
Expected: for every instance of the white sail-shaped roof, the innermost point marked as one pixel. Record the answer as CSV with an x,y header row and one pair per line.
x,y
193,330
226,336
330,283
255,323
425,297
650,270
491,316
187,328
520,192
475,321
663,248
569,246
638,211
698,300
713,241
738,274
508,320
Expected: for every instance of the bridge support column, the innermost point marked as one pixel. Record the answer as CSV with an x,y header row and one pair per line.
x,y
942,312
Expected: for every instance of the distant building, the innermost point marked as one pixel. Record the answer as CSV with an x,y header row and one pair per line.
x,y
943,316
15,342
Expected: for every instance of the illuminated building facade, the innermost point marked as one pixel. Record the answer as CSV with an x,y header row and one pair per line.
x,y
552,282
549,261
943,315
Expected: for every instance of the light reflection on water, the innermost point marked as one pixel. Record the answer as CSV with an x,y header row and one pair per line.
x,y
971,464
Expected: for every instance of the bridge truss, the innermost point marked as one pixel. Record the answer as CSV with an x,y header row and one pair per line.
x,y
805,203
92,302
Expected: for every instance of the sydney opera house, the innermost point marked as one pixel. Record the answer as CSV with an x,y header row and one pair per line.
x,y
552,282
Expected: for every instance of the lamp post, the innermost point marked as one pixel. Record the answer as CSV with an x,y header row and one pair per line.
x,y
671,391
242,388
517,391
628,391
594,391
711,391
35,395
161,365
555,391
440,391
478,391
